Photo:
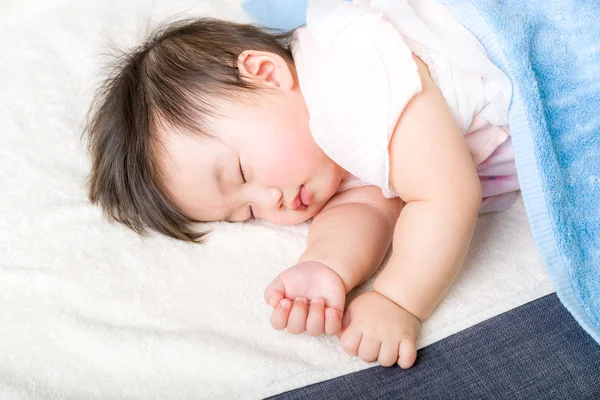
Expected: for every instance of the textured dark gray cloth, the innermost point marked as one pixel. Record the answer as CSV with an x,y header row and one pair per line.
x,y
536,351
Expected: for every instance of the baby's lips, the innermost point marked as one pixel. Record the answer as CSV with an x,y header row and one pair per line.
x,y
305,196
297,202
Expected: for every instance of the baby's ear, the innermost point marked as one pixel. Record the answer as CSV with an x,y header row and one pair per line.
x,y
265,68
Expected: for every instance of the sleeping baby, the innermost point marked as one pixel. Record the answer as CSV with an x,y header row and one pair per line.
x,y
383,121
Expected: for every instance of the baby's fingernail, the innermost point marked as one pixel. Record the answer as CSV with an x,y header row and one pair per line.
x,y
272,303
302,299
285,303
318,300
332,313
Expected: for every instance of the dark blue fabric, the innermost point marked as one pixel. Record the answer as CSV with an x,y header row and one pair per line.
x,y
536,351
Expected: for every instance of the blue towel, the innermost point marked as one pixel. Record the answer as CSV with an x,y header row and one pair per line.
x,y
277,14
551,52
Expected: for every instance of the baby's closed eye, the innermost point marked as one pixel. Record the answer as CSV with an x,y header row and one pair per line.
x,y
244,181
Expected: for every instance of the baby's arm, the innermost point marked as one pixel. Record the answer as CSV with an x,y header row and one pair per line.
x,y
432,171
352,233
347,241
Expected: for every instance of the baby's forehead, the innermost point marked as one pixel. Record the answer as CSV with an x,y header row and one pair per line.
x,y
178,149
187,170
201,143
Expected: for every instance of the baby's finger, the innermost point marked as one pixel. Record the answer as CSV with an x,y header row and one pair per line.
x,y
279,316
388,353
297,320
368,350
408,353
274,292
333,321
347,318
350,341
315,323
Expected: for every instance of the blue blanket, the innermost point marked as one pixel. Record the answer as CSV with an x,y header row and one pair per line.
x,y
551,52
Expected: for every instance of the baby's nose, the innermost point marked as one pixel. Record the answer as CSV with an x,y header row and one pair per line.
x,y
273,197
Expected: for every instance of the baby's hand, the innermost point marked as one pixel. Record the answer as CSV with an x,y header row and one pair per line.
x,y
307,297
376,328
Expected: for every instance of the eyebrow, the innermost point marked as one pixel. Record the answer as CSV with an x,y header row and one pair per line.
x,y
218,175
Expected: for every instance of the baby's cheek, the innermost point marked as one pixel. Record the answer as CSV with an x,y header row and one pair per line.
x,y
288,157
284,164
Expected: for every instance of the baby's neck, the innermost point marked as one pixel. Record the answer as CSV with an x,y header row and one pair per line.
x,y
350,181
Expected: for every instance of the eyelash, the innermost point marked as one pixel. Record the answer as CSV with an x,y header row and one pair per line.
x,y
244,179
242,171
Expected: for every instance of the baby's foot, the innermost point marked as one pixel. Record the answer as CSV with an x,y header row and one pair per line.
x,y
309,297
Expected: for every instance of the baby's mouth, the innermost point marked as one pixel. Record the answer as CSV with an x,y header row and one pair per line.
x,y
305,196
302,200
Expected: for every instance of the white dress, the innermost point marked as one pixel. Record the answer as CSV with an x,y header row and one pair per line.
x,y
356,73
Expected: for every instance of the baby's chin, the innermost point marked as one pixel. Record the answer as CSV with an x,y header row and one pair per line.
x,y
298,218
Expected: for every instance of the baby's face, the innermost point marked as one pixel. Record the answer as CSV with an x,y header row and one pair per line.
x,y
286,177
